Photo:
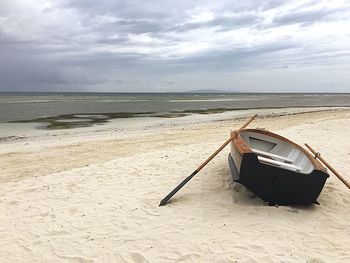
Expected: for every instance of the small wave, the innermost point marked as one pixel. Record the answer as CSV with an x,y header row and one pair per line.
x,y
214,100
128,100
25,101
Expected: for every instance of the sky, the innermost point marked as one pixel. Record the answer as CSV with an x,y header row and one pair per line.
x,y
175,46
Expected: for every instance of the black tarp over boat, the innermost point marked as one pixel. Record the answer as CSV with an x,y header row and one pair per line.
x,y
274,168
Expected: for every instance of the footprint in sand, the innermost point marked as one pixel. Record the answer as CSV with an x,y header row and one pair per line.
x,y
314,260
44,214
138,258
58,233
13,203
30,190
254,213
72,187
256,247
293,210
72,210
188,257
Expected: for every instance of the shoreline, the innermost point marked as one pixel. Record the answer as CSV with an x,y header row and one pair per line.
x,y
74,148
17,129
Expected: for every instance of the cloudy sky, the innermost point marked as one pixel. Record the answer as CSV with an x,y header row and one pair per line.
x,y
167,45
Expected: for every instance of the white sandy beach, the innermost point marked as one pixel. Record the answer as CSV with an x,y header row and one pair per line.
x,y
92,195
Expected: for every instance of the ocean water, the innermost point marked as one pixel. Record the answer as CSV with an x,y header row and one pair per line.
x,y
27,106
75,110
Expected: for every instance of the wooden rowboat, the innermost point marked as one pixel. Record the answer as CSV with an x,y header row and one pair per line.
x,y
276,169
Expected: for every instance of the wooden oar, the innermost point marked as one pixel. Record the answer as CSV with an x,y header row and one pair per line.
x,y
166,199
318,155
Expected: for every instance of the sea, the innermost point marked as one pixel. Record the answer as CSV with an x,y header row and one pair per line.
x,y
26,106
70,110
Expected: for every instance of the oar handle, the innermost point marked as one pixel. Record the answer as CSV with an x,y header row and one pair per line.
x,y
248,122
225,143
318,156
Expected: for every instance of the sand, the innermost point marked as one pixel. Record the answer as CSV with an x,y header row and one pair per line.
x,y
92,195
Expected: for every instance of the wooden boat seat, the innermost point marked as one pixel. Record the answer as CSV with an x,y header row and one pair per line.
x,y
278,163
273,156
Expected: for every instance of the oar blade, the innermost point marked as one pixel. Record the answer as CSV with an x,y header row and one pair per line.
x,y
166,199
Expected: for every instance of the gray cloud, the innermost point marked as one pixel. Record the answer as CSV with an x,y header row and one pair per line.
x,y
119,46
222,22
307,16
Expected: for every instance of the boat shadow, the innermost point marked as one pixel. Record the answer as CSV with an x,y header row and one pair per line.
x,y
243,196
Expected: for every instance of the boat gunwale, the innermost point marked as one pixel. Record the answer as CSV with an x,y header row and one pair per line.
x,y
243,147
